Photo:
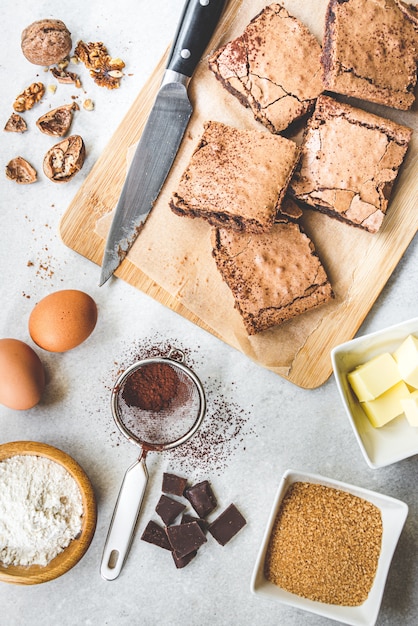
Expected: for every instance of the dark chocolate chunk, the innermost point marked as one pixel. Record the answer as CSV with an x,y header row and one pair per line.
x,y
174,484
168,509
187,518
185,538
154,533
227,524
201,498
185,560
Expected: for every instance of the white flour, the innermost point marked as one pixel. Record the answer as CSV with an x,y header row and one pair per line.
x,y
40,510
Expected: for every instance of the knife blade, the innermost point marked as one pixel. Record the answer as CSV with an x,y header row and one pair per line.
x,y
163,132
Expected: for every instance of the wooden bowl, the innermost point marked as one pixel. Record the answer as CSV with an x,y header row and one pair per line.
x,y
35,574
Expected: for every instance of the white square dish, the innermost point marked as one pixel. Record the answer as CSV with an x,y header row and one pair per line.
x,y
394,513
396,440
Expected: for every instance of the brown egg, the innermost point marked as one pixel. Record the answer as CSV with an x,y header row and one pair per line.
x,y
22,375
63,320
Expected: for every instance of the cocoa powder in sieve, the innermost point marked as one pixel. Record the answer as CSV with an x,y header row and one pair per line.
x,y
227,425
152,387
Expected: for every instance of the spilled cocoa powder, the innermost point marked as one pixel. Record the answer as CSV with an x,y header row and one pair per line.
x,y
226,426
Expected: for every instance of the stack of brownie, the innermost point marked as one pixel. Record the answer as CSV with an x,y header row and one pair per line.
x,y
245,182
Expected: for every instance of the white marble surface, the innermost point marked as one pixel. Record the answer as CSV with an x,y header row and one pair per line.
x,y
283,426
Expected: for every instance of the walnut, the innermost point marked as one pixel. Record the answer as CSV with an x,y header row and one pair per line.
x,y
46,42
15,124
88,104
65,77
58,121
19,170
29,97
65,159
105,70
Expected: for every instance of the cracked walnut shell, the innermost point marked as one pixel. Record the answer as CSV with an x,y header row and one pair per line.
x,y
65,159
16,124
46,42
65,77
58,121
21,171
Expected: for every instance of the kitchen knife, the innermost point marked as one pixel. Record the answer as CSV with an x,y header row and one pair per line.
x,y
163,132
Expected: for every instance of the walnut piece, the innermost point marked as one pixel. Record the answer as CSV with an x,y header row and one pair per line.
x,y
105,70
46,42
65,159
21,171
15,124
65,77
58,121
29,97
88,104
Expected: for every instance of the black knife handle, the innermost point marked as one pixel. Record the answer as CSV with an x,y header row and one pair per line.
x,y
196,27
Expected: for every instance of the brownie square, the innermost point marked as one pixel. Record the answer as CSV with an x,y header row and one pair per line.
x,y
350,160
370,51
236,178
273,276
273,68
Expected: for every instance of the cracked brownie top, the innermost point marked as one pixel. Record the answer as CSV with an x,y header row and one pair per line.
x,y
350,160
370,50
273,67
236,178
273,276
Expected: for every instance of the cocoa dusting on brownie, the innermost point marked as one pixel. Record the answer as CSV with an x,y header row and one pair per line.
x,y
273,68
370,51
273,276
236,178
350,160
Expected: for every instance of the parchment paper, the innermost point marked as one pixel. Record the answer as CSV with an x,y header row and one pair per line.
x,y
175,251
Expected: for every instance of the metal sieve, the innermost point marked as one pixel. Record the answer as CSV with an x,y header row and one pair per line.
x,y
158,404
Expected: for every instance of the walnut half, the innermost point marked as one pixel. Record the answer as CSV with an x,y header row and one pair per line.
x,y
58,121
65,159
29,97
21,171
105,70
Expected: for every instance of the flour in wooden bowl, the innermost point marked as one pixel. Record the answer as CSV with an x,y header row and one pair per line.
x,y
40,510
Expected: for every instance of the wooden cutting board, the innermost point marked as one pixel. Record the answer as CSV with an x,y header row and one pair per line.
x,y
299,350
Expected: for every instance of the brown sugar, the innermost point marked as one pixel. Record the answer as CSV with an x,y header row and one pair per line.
x,y
325,545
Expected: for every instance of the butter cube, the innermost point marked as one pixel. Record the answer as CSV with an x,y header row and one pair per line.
x,y
373,378
406,357
410,407
387,406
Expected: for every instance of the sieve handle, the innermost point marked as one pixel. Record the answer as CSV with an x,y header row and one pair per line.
x,y
125,515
